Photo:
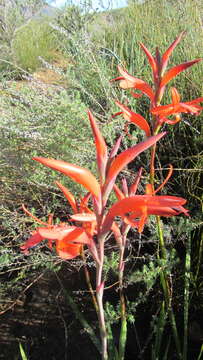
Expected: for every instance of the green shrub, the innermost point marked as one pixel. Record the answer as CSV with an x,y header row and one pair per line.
x,y
34,39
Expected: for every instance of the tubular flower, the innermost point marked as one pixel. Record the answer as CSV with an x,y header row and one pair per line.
x,y
128,81
159,64
136,209
124,158
81,211
68,239
101,148
161,76
177,107
134,118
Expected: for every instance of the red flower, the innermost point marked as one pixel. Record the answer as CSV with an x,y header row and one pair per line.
x,y
177,107
77,173
134,118
68,239
128,81
141,206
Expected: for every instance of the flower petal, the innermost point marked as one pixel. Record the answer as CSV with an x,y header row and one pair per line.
x,y
35,239
175,96
69,196
119,194
77,173
100,144
83,217
151,60
55,232
68,251
136,119
134,186
131,82
173,72
127,156
77,235
157,205
169,51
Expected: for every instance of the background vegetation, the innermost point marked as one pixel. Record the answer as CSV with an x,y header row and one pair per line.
x,y
44,119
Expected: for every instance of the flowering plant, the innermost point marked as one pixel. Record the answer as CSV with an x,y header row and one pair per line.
x,y
93,219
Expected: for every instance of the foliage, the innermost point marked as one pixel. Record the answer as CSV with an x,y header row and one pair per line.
x,y
32,40
14,14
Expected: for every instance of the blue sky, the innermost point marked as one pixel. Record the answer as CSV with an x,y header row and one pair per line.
x,y
96,3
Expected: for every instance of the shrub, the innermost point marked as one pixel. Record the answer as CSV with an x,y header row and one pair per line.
x,y
34,39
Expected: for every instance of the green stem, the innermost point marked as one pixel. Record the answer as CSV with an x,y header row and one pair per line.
x,y
123,331
163,275
186,296
166,289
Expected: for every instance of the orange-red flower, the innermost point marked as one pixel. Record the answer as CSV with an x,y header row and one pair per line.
x,y
128,81
136,209
134,118
77,173
124,158
68,239
177,107
161,77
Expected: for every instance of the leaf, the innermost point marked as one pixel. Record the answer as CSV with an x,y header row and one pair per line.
x,y
80,175
22,352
